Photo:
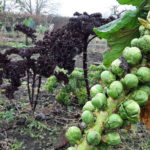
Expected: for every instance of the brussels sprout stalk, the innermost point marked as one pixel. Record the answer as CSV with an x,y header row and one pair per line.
x,y
101,117
118,105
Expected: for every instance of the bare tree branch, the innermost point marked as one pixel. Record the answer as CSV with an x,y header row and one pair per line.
x,y
116,12
32,7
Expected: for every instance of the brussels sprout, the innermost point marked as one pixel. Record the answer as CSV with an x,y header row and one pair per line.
x,y
116,69
141,30
96,89
130,81
115,89
130,110
100,101
140,97
134,42
145,88
112,138
114,121
87,117
132,55
73,134
144,43
93,138
107,77
143,74
71,148
88,106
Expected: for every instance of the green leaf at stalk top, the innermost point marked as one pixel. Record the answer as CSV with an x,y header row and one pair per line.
x,y
119,34
117,42
130,2
129,20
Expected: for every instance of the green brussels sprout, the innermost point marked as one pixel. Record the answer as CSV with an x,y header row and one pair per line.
x,y
114,121
51,84
132,55
134,42
73,134
141,30
116,69
81,94
107,77
71,148
96,89
143,74
87,117
93,138
115,89
130,110
88,106
100,101
130,81
140,97
112,138
145,88
144,43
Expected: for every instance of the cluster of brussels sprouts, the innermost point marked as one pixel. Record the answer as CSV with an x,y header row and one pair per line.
x,y
116,100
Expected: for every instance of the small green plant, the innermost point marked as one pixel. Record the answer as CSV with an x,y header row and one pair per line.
x,y
36,125
16,146
7,115
35,128
76,86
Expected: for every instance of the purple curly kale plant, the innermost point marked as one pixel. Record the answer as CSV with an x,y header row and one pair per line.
x,y
56,49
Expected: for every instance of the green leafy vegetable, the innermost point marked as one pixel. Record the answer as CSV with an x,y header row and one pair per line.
x,y
126,21
131,2
120,32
